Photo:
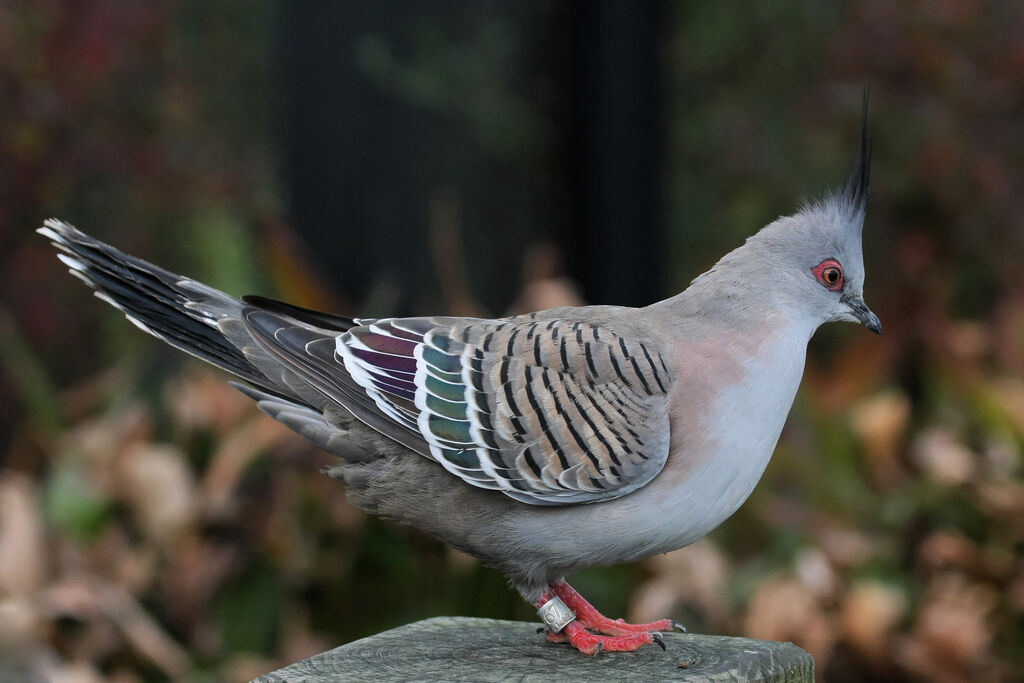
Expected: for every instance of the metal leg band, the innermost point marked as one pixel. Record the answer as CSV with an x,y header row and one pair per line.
x,y
556,615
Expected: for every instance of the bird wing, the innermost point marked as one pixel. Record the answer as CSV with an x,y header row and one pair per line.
x,y
548,412
549,408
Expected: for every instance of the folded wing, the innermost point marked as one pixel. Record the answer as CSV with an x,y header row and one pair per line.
x,y
546,411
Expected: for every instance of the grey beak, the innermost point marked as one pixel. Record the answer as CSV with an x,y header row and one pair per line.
x,y
861,312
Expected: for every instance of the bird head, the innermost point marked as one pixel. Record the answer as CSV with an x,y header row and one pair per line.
x,y
816,254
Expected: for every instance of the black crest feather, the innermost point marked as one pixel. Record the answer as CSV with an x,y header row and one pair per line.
x,y
855,191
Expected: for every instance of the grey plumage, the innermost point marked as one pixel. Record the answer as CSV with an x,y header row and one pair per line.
x,y
542,443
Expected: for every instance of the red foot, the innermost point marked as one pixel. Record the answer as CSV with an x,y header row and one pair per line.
x,y
591,643
588,615
613,635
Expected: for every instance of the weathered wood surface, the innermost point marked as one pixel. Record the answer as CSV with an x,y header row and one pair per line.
x,y
465,649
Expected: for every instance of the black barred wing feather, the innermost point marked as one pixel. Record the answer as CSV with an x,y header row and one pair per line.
x,y
548,412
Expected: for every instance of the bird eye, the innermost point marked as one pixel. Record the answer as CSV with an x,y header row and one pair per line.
x,y
830,274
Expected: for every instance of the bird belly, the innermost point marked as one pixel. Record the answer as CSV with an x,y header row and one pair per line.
x,y
707,478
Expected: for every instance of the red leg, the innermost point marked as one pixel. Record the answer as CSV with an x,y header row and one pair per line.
x,y
604,633
588,616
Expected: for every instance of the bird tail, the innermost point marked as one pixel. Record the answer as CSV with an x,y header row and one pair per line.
x,y
182,312
215,327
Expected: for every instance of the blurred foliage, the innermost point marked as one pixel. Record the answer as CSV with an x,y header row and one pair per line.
x,y
153,525
469,81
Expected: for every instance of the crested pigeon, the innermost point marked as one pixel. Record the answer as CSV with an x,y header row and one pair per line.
x,y
541,443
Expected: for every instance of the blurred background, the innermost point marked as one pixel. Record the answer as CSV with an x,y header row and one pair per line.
x,y
396,158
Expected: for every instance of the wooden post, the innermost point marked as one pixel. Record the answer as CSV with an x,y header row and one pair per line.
x,y
465,649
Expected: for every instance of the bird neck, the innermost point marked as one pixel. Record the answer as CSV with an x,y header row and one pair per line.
x,y
728,300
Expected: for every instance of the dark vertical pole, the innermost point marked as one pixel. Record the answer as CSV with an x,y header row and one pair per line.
x,y
355,157
615,244
364,159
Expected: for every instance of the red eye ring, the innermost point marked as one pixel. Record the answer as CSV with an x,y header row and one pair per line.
x,y
830,274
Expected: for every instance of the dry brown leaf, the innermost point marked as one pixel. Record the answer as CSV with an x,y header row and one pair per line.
x,y
880,422
91,599
782,608
1003,500
942,457
142,631
135,569
1015,591
195,571
158,485
21,628
98,443
946,549
870,613
71,596
77,672
695,575
655,599
968,340
954,630
298,641
848,547
814,571
244,667
120,675
22,544
235,453
202,399
94,641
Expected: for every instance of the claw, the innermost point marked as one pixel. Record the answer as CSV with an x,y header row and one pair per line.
x,y
541,629
591,632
